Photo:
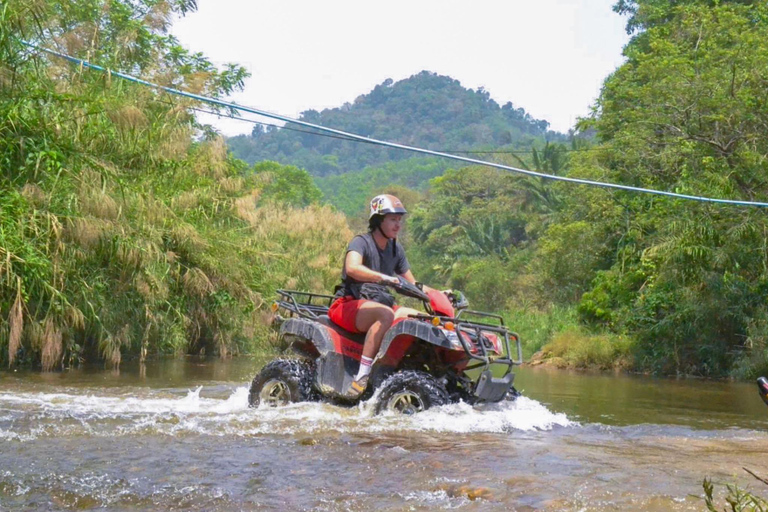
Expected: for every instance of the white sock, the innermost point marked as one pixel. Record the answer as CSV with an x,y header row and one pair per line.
x,y
365,367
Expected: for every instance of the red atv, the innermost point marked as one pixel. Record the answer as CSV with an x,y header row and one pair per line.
x,y
425,360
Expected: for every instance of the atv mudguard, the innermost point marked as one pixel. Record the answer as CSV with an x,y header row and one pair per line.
x,y
308,337
336,351
416,329
321,334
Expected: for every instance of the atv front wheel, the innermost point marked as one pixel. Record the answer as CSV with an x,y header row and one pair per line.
x,y
409,392
283,381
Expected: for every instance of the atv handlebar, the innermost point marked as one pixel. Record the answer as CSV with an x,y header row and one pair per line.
x,y
403,287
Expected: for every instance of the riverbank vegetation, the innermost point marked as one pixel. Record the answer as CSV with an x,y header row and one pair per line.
x,y
128,229
650,283
736,499
125,227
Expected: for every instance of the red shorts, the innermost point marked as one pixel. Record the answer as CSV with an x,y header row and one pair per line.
x,y
343,312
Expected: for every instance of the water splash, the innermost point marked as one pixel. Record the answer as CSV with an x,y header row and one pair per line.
x,y
28,416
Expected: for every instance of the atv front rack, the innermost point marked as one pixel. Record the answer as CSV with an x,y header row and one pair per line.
x,y
474,331
478,327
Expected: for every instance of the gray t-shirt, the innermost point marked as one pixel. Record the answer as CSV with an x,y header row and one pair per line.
x,y
391,262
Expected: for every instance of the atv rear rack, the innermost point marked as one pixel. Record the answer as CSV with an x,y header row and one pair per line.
x,y
306,308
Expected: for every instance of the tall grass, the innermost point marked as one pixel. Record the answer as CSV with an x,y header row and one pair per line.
x,y
538,326
126,230
576,348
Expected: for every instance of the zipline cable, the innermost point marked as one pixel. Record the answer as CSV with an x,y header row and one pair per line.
x,y
464,151
369,140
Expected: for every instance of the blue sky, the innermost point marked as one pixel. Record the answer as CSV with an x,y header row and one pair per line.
x,y
548,56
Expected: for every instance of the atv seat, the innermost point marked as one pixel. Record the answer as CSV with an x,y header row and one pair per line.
x,y
357,338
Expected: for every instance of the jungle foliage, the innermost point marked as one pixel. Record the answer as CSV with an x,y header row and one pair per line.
x,y
125,227
686,281
426,110
348,191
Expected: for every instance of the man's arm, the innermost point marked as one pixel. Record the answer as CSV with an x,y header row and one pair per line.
x,y
359,272
408,276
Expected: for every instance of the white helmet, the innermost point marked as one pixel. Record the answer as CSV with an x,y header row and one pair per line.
x,y
386,203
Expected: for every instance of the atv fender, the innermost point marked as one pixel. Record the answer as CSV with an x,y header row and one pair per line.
x,y
416,329
337,351
311,331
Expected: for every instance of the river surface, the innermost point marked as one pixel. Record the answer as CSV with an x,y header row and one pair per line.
x,y
178,435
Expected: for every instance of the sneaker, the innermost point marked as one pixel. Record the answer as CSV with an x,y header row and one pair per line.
x,y
357,387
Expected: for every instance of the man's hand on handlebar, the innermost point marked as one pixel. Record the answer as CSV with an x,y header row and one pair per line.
x,y
389,280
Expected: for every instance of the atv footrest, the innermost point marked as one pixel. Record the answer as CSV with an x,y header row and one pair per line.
x,y
492,389
335,373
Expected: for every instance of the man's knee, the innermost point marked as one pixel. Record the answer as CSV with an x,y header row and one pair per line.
x,y
386,316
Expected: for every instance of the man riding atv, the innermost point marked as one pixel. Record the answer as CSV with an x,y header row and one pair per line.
x,y
358,344
362,303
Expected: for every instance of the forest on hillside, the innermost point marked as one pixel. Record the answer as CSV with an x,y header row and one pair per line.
x,y
426,110
127,229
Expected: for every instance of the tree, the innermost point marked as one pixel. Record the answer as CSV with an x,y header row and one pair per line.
x,y
287,184
687,112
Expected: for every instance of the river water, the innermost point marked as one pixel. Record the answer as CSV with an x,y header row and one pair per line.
x,y
178,435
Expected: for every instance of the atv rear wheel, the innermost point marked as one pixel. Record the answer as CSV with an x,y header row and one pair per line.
x,y
283,381
410,392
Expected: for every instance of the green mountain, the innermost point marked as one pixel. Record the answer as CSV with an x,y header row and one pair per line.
x,y
426,110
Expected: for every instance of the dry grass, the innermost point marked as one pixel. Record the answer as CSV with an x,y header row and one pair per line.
x,y
232,185
186,200
72,41
51,345
155,212
245,208
16,325
128,117
6,77
151,287
74,317
197,283
319,262
111,344
159,17
222,343
196,82
129,255
34,194
99,205
176,143
87,231
310,224
138,253
186,237
212,158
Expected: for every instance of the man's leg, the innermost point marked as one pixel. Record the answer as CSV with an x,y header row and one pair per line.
x,y
374,318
